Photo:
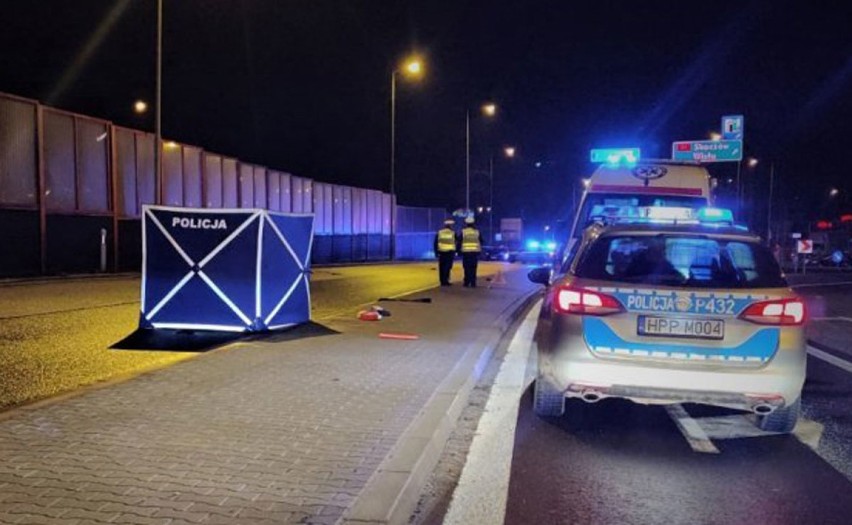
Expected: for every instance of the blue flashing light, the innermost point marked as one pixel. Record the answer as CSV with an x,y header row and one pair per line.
x,y
716,215
616,156
533,245
550,246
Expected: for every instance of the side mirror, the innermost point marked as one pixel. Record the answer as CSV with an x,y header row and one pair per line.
x,y
540,275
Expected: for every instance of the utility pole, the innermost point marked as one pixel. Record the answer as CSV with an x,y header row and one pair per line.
x,y
158,132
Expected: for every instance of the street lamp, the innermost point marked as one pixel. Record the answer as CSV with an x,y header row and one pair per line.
x,y
509,152
140,106
158,132
411,68
489,109
833,192
752,162
715,135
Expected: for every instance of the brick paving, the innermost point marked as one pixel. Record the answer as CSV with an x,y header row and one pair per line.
x,y
281,430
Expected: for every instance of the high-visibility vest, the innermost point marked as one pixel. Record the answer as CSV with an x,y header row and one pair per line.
x,y
446,240
470,241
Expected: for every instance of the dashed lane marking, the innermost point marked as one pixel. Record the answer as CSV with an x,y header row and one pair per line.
x,y
691,430
828,358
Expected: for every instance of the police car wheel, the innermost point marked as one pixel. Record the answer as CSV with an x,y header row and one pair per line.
x,y
548,401
781,419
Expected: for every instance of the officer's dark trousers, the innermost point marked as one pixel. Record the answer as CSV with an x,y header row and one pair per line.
x,y
445,264
470,262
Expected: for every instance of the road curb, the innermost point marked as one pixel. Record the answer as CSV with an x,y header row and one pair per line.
x,y
392,492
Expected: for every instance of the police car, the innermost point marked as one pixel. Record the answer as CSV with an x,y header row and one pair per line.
x,y
672,305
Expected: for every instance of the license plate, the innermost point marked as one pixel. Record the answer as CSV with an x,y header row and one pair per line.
x,y
681,327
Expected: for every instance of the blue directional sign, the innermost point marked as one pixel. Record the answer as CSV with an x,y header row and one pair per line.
x,y
733,127
615,155
708,150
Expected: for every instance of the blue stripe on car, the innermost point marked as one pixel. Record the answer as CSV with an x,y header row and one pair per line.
x,y
601,339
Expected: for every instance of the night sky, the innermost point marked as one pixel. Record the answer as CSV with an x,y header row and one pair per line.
x,y
304,86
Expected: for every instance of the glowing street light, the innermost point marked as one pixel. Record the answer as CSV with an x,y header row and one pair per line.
x,y
509,151
752,162
587,183
833,192
489,109
140,106
411,68
715,135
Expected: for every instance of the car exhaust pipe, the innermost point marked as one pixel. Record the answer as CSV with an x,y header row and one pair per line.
x,y
763,409
590,396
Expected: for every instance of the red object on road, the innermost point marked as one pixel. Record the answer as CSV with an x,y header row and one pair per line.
x,y
369,315
404,337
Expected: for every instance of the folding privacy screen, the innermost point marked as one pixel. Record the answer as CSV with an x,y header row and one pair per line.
x,y
225,269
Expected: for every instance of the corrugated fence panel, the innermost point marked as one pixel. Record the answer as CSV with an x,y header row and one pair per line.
x,y
386,214
144,169
172,174
297,191
125,173
320,227
230,184
308,196
92,144
359,211
59,162
347,210
273,190
17,153
286,193
212,180
246,186
260,187
192,177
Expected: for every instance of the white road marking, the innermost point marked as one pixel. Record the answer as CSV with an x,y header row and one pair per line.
x,y
691,430
828,358
817,285
483,487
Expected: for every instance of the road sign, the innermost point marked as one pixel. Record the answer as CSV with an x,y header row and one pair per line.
x,y
804,246
708,150
733,127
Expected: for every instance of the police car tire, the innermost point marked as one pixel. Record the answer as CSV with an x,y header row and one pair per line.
x,y
548,401
781,420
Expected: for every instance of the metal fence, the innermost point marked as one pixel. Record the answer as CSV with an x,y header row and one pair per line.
x,y
72,189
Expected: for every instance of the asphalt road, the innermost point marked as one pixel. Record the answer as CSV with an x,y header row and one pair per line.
x,y
618,462
55,336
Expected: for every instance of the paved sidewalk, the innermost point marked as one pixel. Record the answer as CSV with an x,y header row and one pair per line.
x,y
331,426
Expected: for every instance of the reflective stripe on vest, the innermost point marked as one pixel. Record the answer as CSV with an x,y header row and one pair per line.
x,y
446,240
470,240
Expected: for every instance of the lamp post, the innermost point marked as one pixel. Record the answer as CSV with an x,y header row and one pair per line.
x,y
509,152
158,134
411,68
489,109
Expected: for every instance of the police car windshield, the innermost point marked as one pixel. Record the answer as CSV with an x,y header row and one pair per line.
x,y
680,260
598,204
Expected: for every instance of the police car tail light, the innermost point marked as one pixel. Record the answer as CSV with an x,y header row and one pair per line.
x,y
580,301
788,312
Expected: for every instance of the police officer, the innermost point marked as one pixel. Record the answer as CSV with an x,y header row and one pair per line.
x,y
470,246
445,249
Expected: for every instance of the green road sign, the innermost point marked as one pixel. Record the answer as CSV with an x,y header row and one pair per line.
x,y
708,150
